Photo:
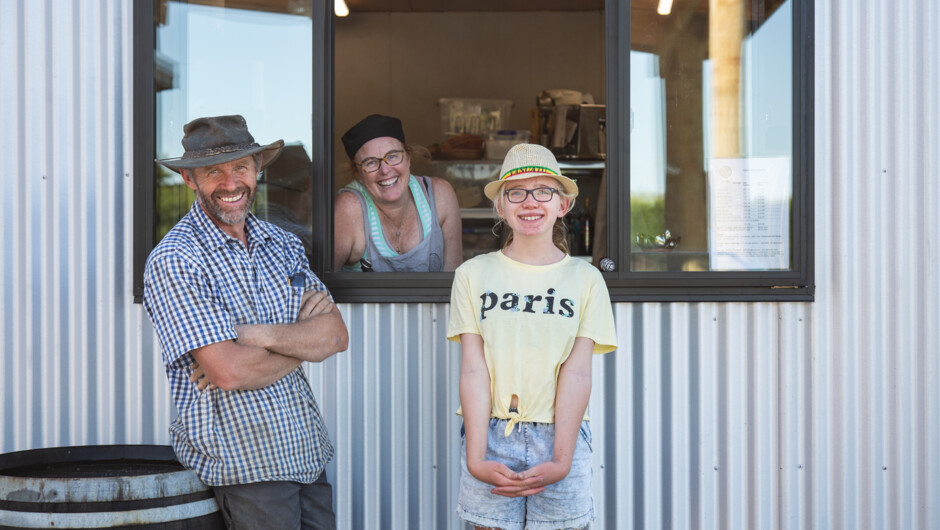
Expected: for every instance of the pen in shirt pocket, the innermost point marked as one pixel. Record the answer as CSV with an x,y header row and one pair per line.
x,y
297,280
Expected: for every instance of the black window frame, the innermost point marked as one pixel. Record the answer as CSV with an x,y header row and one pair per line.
x,y
144,147
624,285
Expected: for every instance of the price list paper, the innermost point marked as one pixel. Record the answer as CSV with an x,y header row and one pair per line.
x,y
749,213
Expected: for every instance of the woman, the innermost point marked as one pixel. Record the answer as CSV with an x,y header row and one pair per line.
x,y
528,319
387,220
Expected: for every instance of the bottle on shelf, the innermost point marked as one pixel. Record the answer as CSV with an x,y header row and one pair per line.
x,y
580,226
574,230
587,224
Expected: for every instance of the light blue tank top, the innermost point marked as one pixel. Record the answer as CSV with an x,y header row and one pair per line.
x,y
426,256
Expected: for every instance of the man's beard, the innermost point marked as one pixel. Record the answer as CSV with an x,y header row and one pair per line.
x,y
231,217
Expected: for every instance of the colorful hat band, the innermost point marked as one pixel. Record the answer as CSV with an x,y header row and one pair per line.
x,y
528,169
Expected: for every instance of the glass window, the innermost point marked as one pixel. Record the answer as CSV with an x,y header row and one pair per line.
x,y
468,85
711,129
213,60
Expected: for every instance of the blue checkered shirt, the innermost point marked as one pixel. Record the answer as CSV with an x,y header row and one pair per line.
x,y
198,284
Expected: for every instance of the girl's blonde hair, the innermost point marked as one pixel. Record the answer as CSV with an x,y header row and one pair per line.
x,y
559,230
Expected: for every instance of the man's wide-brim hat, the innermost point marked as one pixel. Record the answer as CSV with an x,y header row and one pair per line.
x,y
525,161
217,140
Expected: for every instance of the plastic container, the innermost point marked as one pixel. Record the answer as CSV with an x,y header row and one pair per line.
x,y
498,143
473,116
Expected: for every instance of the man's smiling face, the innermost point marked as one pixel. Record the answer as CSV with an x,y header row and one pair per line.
x,y
225,191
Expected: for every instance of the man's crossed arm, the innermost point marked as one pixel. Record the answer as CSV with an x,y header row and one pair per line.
x,y
264,353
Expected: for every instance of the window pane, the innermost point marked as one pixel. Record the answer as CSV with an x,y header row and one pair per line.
x,y
711,136
211,61
468,82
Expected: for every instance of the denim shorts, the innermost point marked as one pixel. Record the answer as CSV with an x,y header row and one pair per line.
x,y
568,503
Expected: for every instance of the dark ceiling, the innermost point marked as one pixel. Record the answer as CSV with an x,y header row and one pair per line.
x,y
476,5
756,9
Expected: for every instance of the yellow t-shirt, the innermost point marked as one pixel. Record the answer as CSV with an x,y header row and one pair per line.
x,y
529,316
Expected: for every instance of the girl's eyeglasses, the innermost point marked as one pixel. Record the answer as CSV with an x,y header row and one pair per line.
x,y
540,194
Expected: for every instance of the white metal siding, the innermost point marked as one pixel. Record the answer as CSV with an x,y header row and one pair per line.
x,y
711,415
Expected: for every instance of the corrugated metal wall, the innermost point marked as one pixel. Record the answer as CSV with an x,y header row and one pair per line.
x,y
711,415
875,381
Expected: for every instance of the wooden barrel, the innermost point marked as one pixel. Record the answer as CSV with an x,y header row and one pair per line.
x,y
129,486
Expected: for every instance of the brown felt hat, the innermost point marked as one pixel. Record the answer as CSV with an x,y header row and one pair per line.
x,y
292,170
219,139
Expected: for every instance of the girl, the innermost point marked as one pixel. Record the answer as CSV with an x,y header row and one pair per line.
x,y
528,317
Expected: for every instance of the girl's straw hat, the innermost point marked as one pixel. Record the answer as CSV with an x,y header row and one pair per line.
x,y
526,161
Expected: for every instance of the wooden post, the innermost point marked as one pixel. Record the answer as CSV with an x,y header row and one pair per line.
x,y
725,35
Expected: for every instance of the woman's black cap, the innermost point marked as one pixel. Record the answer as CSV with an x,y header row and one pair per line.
x,y
371,127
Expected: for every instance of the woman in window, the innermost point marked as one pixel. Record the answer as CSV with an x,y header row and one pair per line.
x,y
528,319
388,220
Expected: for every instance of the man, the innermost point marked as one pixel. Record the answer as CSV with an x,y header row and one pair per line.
x,y
233,297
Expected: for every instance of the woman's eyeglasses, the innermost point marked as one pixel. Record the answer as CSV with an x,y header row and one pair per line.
x,y
391,158
539,194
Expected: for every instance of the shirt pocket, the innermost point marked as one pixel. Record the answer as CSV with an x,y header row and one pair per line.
x,y
290,294
295,296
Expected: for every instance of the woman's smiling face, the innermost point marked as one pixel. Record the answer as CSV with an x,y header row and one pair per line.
x,y
388,183
530,217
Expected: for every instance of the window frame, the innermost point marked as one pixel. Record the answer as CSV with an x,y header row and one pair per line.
x,y
144,148
792,285
624,285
